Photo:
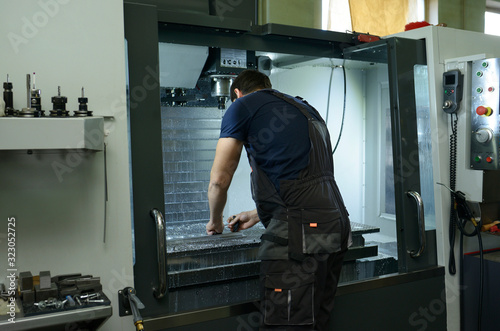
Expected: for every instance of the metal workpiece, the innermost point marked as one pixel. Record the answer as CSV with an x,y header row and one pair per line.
x,y
202,268
191,237
25,280
194,258
45,281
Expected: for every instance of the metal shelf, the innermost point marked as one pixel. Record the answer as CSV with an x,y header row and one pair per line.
x,y
87,318
52,133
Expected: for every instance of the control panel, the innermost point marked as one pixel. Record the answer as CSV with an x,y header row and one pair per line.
x,y
485,116
453,82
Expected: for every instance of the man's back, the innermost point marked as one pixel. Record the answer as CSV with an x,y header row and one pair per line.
x,y
274,132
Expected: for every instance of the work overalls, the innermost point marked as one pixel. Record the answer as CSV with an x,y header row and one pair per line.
x,y
307,234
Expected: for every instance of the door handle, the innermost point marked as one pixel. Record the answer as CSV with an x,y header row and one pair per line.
x,y
421,223
161,246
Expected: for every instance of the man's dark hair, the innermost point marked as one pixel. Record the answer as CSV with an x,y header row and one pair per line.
x,y
249,81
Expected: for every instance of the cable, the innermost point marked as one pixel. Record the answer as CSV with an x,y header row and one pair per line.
x,y
460,215
343,110
464,215
453,151
452,268
481,281
329,93
461,284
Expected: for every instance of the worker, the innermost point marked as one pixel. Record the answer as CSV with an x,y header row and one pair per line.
x,y
297,200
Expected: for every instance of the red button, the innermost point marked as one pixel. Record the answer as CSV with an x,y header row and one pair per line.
x,y
484,111
481,110
491,89
489,159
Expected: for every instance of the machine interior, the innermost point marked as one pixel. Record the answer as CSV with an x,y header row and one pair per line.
x,y
191,118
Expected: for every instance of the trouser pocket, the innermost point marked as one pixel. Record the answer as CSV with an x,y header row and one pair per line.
x,y
289,299
321,233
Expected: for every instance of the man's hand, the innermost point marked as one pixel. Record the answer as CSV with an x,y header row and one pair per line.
x,y
213,228
246,220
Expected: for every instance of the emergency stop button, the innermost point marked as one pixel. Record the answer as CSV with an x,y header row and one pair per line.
x,y
484,111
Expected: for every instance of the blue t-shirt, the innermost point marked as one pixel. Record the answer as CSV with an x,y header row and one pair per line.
x,y
273,131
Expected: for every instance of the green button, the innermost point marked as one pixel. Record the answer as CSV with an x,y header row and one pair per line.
x,y
479,90
485,64
479,73
477,159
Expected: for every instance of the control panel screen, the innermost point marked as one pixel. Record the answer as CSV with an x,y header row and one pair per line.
x,y
449,80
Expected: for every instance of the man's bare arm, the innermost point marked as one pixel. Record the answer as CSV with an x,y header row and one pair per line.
x,y
227,156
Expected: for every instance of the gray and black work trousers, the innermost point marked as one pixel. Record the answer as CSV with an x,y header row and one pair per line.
x,y
299,296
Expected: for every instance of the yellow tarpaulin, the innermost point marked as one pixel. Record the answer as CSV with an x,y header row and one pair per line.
x,y
380,17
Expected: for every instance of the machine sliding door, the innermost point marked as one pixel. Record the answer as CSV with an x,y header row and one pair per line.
x,y
404,176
